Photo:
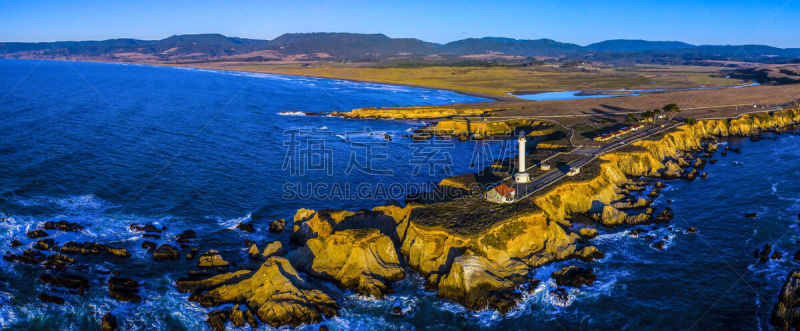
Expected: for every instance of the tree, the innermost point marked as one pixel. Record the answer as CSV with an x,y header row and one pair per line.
x,y
671,110
649,114
691,121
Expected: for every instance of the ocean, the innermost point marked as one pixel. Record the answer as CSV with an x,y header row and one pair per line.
x,y
109,145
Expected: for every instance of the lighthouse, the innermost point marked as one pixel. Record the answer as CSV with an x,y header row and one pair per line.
x,y
521,177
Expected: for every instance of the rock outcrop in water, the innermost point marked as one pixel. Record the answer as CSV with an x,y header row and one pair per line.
x,y
275,293
786,313
361,259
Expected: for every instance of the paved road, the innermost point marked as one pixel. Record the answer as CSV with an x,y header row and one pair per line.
x,y
524,190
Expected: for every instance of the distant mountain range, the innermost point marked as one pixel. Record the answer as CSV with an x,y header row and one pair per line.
x,y
379,47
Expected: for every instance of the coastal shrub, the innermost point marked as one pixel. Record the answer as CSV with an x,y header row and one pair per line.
x,y
691,121
499,238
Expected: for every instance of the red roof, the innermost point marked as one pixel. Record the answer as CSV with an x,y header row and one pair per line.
x,y
504,190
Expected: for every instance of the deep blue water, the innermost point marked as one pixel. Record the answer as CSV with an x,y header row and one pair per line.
x,y
108,145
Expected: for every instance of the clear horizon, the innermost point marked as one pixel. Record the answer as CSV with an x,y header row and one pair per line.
x,y
709,23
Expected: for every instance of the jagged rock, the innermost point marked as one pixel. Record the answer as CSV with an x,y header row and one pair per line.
x,y
109,322
666,215
62,226
786,314
51,299
73,282
559,296
119,252
682,163
148,244
44,244
144,228
713,161
124,289
29,256
699,164
151,235
165,252
253,252
311,224
659,245
192,253
660,185
277,225
764,255
776,255
58,261
236,316
37,234
185,236
588,233
671,171
363,260
275,293
211,259
15,243
246,227
750,215
691,230
248,243
274,248
797,256
612,217
692,175
589,253
85,248
217,319
189,285
574,276
704,175
641,202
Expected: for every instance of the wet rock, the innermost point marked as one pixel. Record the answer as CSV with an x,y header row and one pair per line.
x,y
246,227
211,259
15,243
86,248
37,234
148,244
574,276
637,232
192,253
144,228
654,193
666,215
713,161
786,313
750,215
186,236
29,256
277,225
764,255
62,226
191,285
699,164
249,243
587,233
364,260
109,322
659,245
691,230
118,252
660,185
724,153
253,252
58,262
397,311
51,299
692,175
704,175
588,254
124,289
217,319
275,293
44,244
77,284
776,255
274,248
151,235
165,252
559,296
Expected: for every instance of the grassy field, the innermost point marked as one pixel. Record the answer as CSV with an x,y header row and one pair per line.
x,y
498,81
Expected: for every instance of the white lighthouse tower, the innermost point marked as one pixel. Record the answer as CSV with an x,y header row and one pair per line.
x,y
521,177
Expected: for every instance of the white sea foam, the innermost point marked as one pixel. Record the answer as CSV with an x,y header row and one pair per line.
x,y
231,224
292,113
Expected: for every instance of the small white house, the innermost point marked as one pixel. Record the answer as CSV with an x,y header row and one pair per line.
x,y
545,167
573,171
501,194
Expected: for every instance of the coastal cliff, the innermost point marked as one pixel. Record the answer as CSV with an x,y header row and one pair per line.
x,y
472,251
417,112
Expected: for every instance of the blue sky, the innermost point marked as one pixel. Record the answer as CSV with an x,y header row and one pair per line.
x,y
770,22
